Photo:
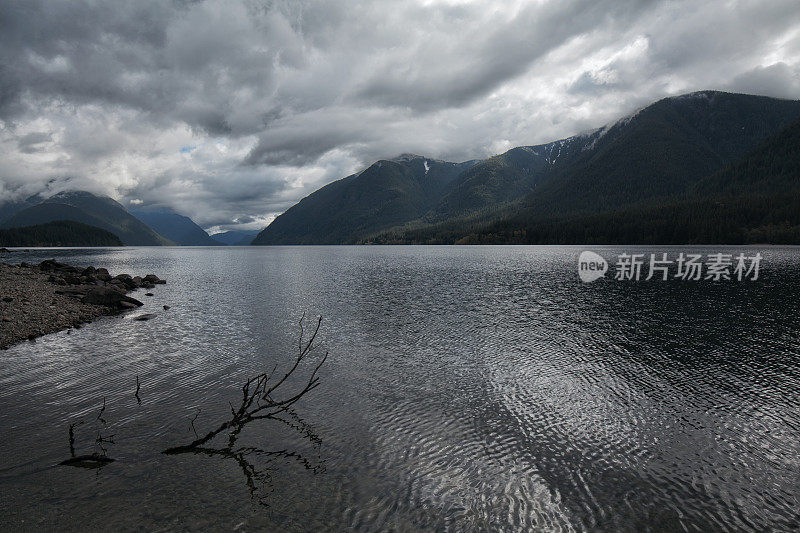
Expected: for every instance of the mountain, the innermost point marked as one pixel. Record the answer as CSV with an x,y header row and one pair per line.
x,y
771,167
506,178
236,237
9,208
60,233
755,199
175,227
87,208
656,155
388,193
661,151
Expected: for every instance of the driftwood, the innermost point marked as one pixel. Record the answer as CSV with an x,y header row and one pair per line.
x,y
258,401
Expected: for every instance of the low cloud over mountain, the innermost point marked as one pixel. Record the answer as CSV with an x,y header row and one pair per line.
x,y
230,112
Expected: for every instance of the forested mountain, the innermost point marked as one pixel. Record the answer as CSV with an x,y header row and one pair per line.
x,y
87,208
661,151
60,233
178,228
388,193
9,208
655,155
755,199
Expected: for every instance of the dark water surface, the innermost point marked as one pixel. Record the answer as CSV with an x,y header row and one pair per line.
x,y
467,388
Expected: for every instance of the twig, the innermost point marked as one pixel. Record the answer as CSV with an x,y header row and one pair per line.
x,y
72,437
193,419
100,414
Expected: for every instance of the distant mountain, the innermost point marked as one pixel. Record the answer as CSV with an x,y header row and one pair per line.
x,y
175,227
236,237
388,193
655,155
60,233
9,208
87,208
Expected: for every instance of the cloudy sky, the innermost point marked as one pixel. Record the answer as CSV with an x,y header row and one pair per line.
x,y
229,112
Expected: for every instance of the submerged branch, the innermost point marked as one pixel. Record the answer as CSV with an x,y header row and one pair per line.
x,y
257,401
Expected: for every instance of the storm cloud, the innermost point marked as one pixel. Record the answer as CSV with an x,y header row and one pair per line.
x,y
230,112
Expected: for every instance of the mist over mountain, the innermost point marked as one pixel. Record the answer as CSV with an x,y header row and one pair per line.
x,y
657,154
676,152
84,207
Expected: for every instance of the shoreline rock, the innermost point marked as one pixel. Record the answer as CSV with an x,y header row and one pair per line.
x,y
36,300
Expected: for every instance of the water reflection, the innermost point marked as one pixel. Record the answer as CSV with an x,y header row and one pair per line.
x,y
467,388
258,464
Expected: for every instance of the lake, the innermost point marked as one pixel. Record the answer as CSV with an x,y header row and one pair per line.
x,y
466,388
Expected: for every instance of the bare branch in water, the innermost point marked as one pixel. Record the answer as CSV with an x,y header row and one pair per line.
x,y
192,422
72,437
94,459
255,462
136,394
257,401
102,410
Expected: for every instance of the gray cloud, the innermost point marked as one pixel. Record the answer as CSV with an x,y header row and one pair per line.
x,y
780,80
232,111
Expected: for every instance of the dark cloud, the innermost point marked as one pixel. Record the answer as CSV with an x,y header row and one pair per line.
x,y
779,80
279,97
432,74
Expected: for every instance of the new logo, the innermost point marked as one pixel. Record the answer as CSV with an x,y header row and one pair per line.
x,y
591,266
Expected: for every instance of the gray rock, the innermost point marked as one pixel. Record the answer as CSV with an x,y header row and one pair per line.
x,y
146,316
51,265
108,297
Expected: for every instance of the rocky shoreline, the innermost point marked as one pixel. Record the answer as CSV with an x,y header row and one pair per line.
x,y
39,299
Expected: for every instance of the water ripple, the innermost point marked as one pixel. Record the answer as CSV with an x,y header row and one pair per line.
x,y
468,388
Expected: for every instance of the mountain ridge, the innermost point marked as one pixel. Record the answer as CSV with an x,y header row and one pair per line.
x,y
58,233
658,152
753,200
175,227
398,190
87,208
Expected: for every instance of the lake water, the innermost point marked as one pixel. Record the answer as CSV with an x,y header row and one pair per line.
x,y
467,388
